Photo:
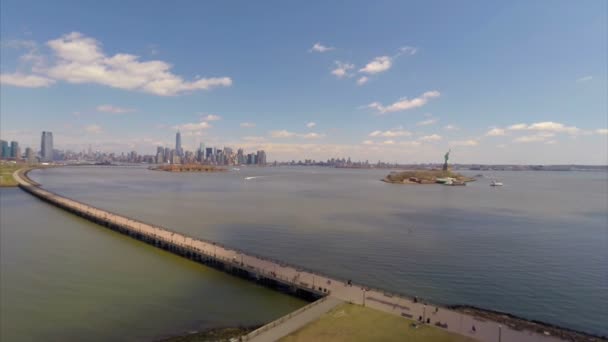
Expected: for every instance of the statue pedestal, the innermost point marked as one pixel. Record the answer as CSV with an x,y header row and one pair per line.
x,y
445,166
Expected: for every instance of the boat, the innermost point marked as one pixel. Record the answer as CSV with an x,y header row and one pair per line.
x,y
236,169
495,183
445,180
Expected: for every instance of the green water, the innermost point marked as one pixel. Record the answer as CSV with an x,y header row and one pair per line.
x,y
66,279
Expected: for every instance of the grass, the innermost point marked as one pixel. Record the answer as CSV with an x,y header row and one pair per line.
x,y
349,322
6,174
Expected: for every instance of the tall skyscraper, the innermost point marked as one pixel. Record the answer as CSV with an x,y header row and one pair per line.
x,y
14,149
46,146
5,150
178,143
29,155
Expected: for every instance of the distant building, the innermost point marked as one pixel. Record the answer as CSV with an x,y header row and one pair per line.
x,y
240,157
178,144
46,147
15,153
5,150
261,158
30,156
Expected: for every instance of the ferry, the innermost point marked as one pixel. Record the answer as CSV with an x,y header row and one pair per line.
x,y
495,183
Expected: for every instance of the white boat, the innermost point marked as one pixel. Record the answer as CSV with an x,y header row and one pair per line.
x,y
495,183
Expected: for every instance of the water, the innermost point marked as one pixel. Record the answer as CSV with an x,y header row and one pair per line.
x,y
536,247
66,279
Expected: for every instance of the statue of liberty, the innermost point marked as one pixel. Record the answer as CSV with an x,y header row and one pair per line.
x,y
446,157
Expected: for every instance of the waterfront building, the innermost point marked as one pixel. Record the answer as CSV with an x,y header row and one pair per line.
x,y
14,149
5,151
46,146
261,157
208,153
30,156
240,157
178,143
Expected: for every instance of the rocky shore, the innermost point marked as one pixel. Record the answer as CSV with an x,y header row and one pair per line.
x,y
518,323
424,177
212,334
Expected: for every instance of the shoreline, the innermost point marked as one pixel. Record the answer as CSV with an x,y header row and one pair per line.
x,y
510,320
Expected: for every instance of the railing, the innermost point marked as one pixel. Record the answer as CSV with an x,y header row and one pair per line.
x,y
280,320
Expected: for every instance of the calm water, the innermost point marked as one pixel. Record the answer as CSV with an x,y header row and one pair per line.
x,y
66,279
537,247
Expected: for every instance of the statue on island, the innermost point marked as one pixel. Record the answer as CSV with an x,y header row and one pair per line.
x,y
446,157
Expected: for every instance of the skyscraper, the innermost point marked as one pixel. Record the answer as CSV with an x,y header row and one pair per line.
x,y
15,151
5,150
178,143
46,146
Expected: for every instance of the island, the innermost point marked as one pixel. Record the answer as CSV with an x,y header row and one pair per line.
x,y
187,168
433,176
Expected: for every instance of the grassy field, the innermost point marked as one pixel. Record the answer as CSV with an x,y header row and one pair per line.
x,y
6,174
352,323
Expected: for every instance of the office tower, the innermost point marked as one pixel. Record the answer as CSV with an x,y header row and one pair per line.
x,y
14,149
29,155
46,147
5,151
178,143
167,155
201,153
240,157
261,158
208,153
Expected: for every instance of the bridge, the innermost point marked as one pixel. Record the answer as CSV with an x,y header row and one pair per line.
x,y
291,279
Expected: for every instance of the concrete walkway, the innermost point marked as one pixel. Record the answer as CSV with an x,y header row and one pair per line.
x,y
297,321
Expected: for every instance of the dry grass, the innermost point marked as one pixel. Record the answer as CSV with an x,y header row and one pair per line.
x,y
353,323
6,174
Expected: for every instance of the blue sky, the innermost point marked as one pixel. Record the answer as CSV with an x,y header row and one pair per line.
x,y
513,82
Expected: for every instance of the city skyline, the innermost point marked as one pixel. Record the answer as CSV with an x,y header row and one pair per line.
x,y
393,88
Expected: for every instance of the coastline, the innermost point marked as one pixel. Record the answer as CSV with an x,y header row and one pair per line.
x,y
517,323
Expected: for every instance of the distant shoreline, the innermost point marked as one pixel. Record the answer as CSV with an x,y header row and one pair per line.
x,y
187,168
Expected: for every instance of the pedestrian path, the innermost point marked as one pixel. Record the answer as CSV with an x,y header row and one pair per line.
x,y
287,326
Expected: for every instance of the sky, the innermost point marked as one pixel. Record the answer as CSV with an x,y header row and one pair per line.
x,y
518,82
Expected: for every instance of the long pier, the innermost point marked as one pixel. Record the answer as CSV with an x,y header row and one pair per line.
x,y
283,277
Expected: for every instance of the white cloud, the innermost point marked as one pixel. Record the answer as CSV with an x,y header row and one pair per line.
x,y
584,79
408,50
451,128
469,142
25,81
311,124
211,117
311,135
377,65
432,137
318,47
342,69
282,134
113,109
428,122
362,80
253,138
390,133
389,142
545,126
602,131
79,59
518,127
195,126
93,129
530,138
404,103
247,124
368,142
496,132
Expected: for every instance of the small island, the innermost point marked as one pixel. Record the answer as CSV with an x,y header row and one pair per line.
x,y
187,168
443,176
